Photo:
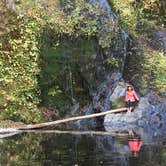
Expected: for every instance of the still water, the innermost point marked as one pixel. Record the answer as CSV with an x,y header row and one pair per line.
x,y
52,148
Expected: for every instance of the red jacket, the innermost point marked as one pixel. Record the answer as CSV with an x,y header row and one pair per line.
x,y
135,145
131,95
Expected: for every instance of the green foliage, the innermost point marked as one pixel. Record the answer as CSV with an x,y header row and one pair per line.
x,y
113,63
136,16
156,71
146,67
127,13
75,19
60,80
20,63
18,70
47,49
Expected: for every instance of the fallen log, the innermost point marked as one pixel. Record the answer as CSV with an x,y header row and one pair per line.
x,y
41,125
77,132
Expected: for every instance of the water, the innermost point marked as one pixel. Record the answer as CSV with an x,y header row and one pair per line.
x,y
52,148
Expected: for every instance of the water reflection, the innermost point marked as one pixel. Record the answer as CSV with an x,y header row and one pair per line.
x,y
135,143
76,149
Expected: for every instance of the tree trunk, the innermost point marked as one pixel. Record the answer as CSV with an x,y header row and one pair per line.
x,y
41,125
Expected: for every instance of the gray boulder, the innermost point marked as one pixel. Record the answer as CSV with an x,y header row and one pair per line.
x,y
148,118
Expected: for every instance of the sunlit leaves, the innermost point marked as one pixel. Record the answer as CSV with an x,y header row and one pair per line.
x,y
18,69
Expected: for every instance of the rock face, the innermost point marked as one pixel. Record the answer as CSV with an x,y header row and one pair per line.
x,y
159,40
148,118
101,100
119,91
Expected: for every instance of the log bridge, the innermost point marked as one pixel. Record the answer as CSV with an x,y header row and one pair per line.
x,y
41,125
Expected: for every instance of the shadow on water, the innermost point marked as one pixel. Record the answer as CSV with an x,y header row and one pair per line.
x,y
71,148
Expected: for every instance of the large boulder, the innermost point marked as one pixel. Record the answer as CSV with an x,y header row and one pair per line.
x,y
148,118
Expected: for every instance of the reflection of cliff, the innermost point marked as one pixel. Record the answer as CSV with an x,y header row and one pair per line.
x,y
86,150
117,151
69,149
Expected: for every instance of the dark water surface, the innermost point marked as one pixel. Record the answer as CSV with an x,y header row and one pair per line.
x,y
78,149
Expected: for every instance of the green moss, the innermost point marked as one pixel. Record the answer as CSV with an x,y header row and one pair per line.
x,y
61,79
118,103
137,16
18,70
127,13
156,71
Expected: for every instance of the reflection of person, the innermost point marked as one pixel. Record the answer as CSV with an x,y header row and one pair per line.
x,y
130,98
135,143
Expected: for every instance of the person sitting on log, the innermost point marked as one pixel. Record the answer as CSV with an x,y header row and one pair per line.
x,y
130,98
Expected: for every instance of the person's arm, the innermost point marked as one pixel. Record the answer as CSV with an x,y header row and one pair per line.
x,y
135,96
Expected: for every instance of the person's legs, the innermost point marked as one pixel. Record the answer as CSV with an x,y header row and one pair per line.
x,y
132,106
128,103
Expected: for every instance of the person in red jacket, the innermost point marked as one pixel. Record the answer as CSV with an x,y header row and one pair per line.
x,y
130,98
